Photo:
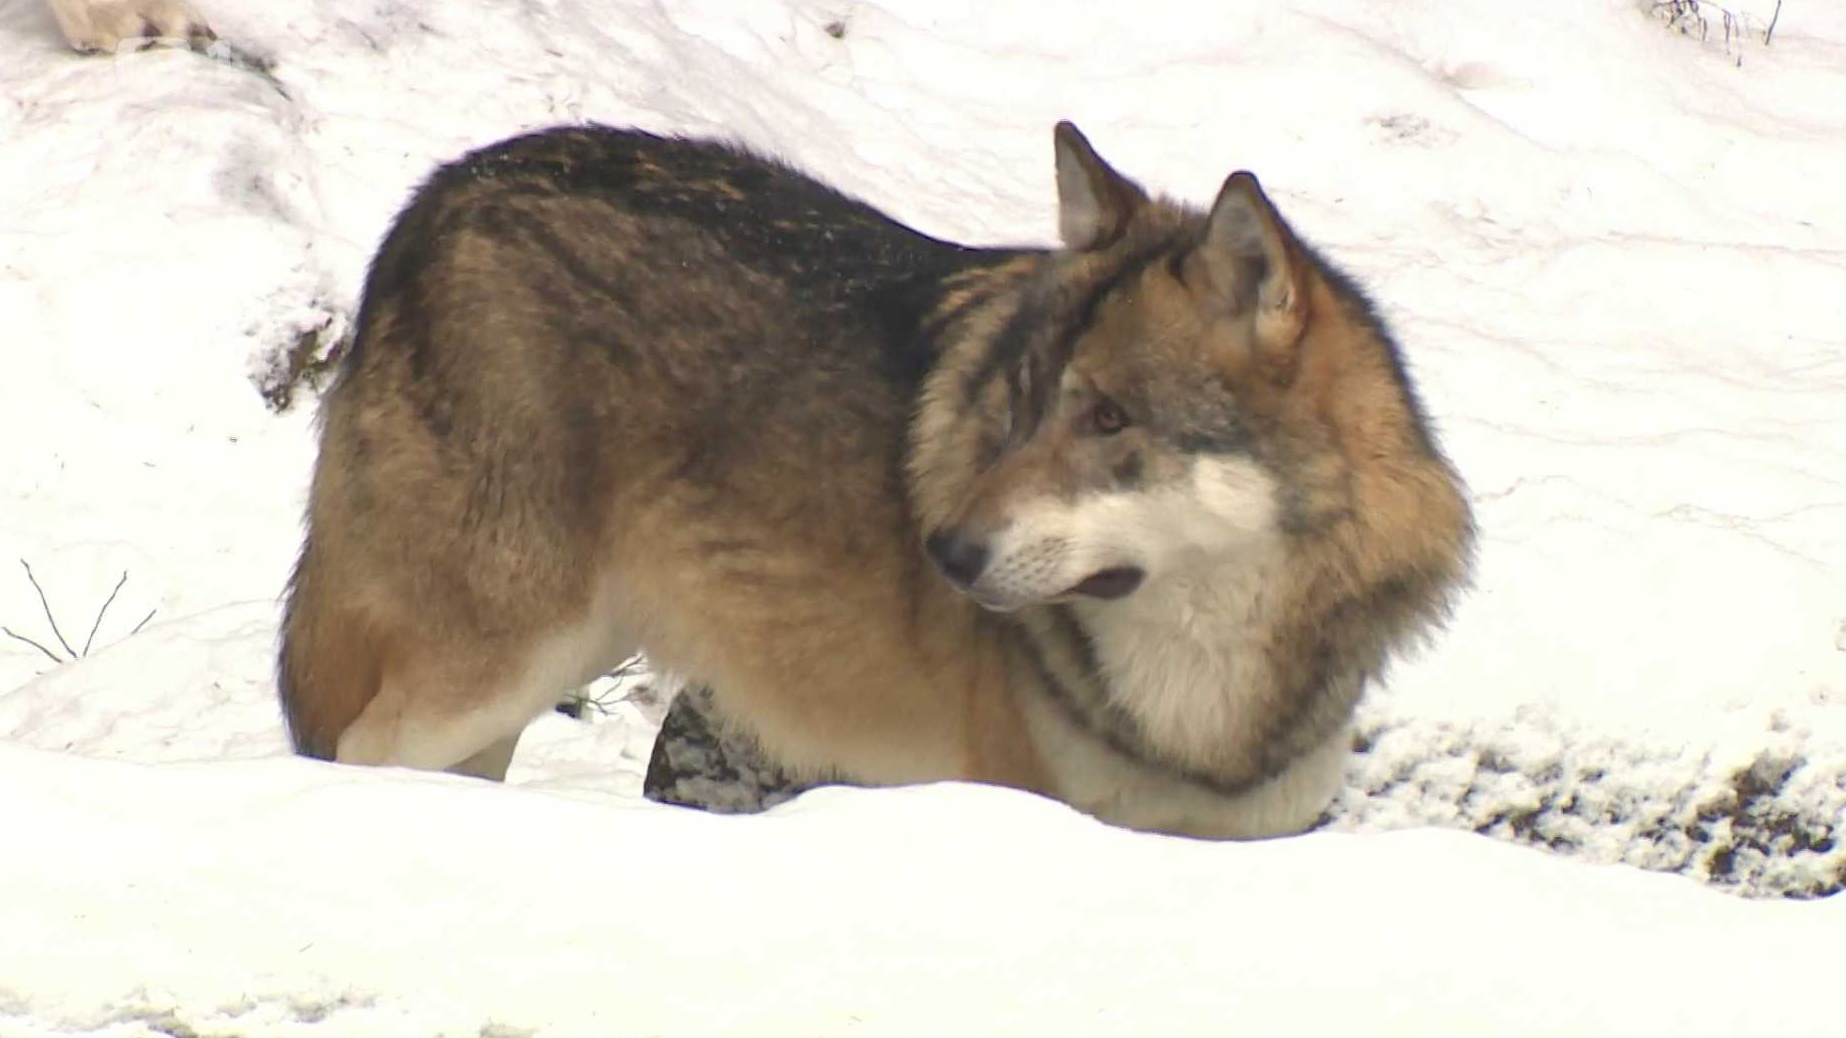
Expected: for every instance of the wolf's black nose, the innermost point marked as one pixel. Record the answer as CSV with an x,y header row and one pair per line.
x,y
960,559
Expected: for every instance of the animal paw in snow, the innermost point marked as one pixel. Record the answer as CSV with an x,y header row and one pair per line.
x,y
104,26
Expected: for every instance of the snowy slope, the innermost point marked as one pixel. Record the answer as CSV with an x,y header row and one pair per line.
x,y
1614,255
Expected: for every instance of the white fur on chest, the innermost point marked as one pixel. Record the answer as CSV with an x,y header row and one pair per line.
x,y
1185,654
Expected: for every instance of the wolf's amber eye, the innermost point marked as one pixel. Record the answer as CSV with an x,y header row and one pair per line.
x,y
1106,418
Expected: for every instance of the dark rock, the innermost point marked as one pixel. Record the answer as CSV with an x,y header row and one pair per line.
x,y
701,761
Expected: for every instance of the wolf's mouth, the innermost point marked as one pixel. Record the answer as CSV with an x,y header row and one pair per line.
x,y
1115,582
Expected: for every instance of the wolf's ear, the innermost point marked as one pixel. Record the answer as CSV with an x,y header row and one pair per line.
x,y
1250,257
1094,201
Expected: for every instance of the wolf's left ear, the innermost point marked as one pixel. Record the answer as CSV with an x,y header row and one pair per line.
x,y
1095,202
1246,237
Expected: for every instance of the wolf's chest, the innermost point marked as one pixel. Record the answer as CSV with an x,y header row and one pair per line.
x,y
1190,661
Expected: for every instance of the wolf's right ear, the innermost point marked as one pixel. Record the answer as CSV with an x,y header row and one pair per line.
x,y
1095,202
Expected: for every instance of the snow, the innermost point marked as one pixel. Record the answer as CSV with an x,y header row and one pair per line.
x,y
400,904
1613,252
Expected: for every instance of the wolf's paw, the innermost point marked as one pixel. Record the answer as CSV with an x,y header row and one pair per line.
x,y
104,26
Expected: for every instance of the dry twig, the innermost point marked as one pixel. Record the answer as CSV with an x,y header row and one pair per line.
x,y
70,653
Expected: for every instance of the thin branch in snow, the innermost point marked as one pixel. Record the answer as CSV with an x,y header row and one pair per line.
x,y
576,703
100,612
95,625
46,606
55,658
1777,13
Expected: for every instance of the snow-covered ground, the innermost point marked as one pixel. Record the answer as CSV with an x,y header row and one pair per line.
x,y
1616,255
271,897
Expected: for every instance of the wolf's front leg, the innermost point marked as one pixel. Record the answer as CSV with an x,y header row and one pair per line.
x,y
100,26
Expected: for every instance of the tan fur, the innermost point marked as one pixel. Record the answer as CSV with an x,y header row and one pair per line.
x,y
586,415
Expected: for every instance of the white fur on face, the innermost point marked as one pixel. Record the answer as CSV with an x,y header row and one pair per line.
x,y
1049,547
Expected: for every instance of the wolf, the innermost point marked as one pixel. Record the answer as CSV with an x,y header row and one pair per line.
x,y
1128,523
101,26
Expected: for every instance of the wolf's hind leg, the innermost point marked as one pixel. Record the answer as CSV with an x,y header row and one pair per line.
x,y
491,763
412,724
462,710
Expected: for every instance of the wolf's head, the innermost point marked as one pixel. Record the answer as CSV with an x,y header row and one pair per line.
x,y
1171,389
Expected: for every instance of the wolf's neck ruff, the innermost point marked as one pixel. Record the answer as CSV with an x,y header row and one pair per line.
x,y
1102,702
1173,675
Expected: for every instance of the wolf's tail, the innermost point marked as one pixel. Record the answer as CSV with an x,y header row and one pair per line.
x,y
330,663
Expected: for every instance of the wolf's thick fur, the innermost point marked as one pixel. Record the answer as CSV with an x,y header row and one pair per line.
x,y
615,391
